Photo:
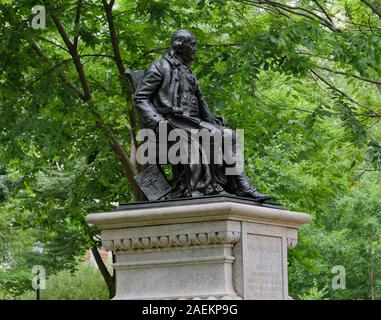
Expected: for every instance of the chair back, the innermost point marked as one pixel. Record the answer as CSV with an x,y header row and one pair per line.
x,y
135,78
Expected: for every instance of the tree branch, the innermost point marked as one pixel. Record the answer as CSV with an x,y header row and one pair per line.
x,y
114,143
372,6
113,36
76,59
65,80
344,94
300,11
63,34
351,75
335,89
119,151
241,14
54,67
121,68
109,279
323,10
76,22
55,44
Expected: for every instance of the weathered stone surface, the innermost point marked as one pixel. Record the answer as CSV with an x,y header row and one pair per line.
x,y
222,250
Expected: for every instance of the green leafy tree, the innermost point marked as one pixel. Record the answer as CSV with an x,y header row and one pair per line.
x,y
302,78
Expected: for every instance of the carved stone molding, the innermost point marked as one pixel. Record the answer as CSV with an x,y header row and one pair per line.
x,y
172,240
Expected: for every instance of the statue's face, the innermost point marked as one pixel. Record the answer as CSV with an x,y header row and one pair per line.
x,y
188,50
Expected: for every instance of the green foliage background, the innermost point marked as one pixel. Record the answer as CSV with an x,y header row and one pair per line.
x,y
85,284
306,91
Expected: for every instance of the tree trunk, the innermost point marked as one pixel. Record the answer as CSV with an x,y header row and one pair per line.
x,y
108,278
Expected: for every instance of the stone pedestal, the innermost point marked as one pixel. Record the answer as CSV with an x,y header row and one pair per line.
x,y
202,249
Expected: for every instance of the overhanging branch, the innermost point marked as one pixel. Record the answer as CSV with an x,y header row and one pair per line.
x,y
350,75
77,20
373,7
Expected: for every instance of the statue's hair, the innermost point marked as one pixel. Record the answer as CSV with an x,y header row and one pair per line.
x,y
178,38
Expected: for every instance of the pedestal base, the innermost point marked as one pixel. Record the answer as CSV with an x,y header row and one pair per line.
x,y
217,250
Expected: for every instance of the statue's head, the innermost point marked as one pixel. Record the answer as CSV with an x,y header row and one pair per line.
x,y
183,44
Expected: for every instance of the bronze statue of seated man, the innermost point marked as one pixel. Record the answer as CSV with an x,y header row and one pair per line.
x,y
169,96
